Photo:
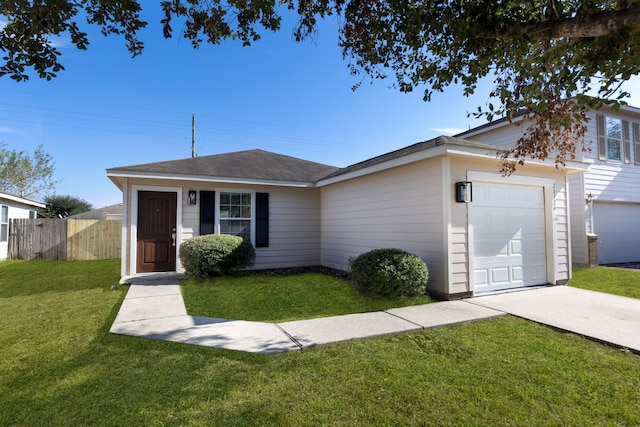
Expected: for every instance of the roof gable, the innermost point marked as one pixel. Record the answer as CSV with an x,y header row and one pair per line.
x,y
414,149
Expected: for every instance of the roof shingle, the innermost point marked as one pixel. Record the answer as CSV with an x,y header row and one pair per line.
x,y
250,164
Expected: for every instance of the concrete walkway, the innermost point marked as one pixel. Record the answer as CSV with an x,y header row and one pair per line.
x,y
154,308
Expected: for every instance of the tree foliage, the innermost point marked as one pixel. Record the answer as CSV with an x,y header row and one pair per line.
x,y
544,55
24,174
27,39
64,206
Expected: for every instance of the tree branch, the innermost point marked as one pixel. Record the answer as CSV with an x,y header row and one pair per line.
x,y
595,25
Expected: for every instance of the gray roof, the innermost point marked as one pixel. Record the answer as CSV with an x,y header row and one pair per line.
x,y
267,166
250,164
101,213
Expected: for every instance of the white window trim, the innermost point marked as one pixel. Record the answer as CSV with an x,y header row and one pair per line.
x,y
217,216
5,223
620,141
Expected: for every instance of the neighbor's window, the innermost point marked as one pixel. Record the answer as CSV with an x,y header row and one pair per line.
x,y
614,138
4,223
235,214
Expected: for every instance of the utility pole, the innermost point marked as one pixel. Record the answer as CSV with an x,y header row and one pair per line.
x,y
193,136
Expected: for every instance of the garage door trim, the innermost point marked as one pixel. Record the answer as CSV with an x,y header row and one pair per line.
x,y
548,187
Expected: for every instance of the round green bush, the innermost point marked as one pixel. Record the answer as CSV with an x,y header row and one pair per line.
x,y
212,254
390,273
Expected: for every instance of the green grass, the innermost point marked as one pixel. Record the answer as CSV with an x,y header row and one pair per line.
x,y
280,299
616,281
61,367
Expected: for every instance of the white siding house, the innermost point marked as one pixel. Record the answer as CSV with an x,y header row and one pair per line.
x,y
13,207
604,201
508,233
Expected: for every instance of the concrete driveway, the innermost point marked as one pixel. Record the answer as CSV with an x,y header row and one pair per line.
x,y
608,318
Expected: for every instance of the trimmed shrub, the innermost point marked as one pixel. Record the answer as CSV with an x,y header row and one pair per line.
x,y
212,254
390,273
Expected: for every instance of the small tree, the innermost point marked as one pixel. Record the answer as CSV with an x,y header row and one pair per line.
x,y
64,206
24,174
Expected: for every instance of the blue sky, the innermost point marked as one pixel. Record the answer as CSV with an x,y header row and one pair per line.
x,y
107,109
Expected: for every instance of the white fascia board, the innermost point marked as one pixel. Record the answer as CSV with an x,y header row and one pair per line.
x,y
630,109
200,178
446,149
497,124
21,200
571,166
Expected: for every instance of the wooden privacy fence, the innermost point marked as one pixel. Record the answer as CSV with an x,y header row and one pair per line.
x,y
70,239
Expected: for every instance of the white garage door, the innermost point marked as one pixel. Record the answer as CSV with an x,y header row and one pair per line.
x,y
618,228
509,245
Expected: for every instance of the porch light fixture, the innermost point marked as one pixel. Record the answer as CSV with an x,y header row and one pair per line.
x,y
589,199
192,197
463,192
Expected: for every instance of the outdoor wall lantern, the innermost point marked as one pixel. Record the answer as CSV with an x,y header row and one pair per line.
x,y
463,192
192,197
589,198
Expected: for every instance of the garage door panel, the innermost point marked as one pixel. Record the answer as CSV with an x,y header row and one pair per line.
x,y
509,236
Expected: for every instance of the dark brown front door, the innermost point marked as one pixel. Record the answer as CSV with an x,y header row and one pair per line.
x,y
156,250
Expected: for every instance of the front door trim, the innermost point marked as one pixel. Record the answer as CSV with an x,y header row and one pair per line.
x,y
133,244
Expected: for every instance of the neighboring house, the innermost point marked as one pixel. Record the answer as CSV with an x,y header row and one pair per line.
x,y
514,233
605,201
14,207
110,212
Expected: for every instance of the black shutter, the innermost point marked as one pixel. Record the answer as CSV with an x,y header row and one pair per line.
x,y
207,212
262,220
636,142
626,142
602,141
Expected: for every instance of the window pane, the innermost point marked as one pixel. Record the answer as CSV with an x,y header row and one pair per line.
x,y
235,214
3,232
614,128
613,149
4,215
240,228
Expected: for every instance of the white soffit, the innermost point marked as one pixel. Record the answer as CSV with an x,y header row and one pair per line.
x,y
201,178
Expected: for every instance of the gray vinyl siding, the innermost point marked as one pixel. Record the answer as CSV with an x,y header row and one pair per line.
x,y
294,228
563,236
612,180
397,208
504,136
294,221
579,217
294,224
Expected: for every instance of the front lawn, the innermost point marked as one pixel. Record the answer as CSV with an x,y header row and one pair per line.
x,y
60,367
282,298
618,281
